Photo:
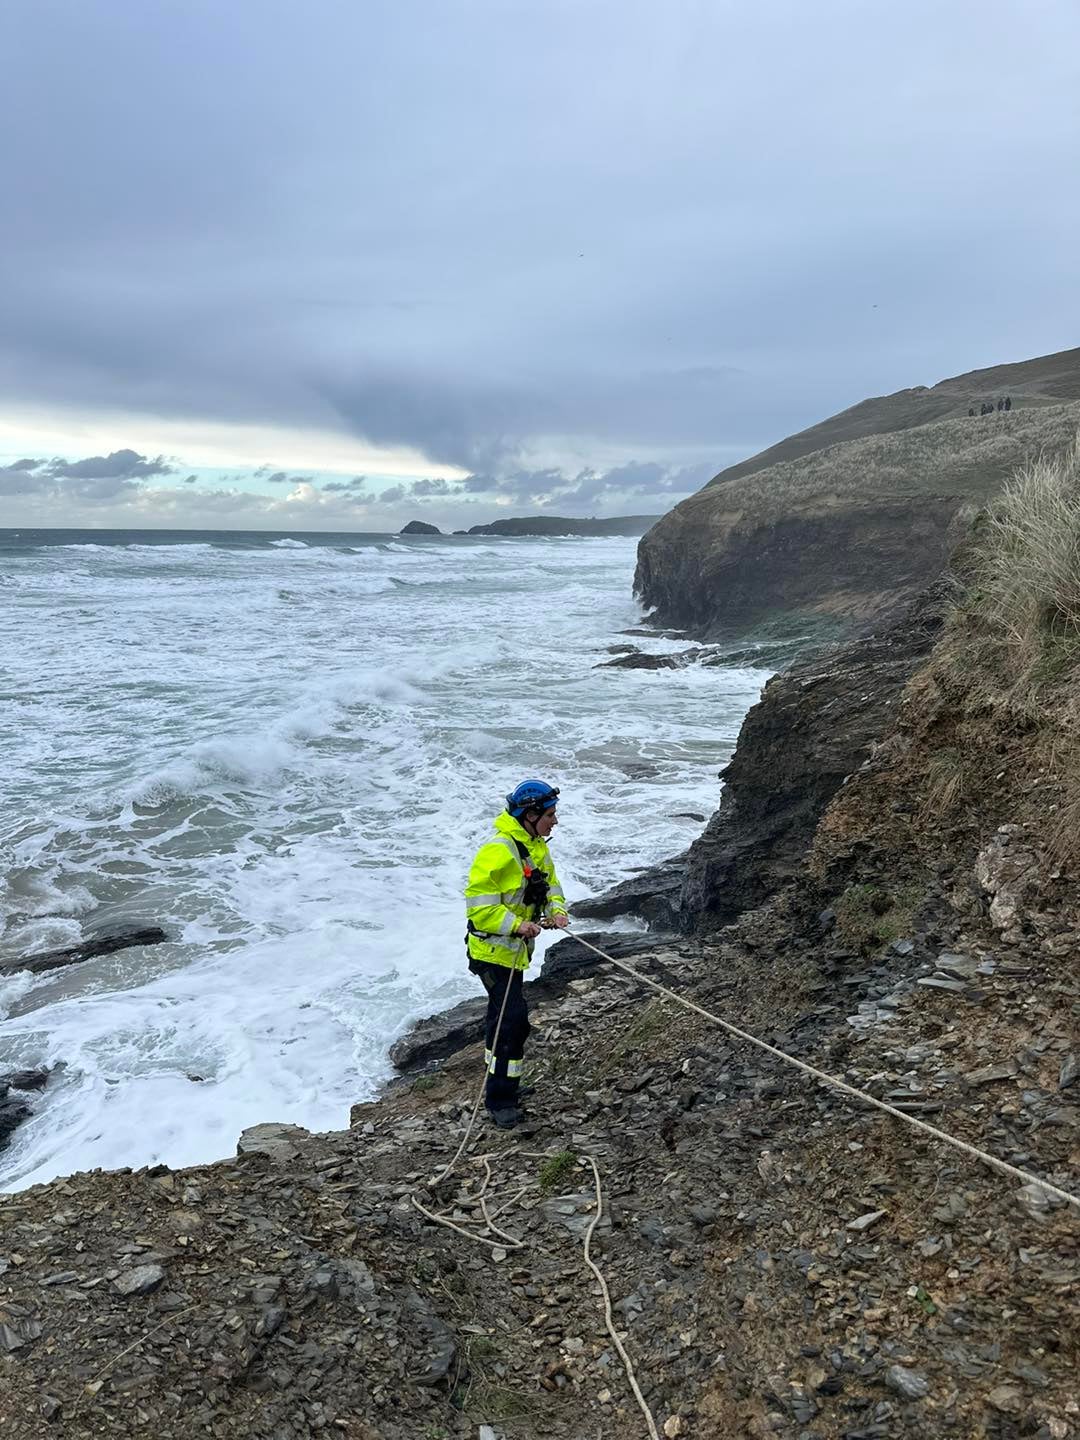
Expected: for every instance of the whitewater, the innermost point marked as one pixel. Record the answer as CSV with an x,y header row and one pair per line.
x,y
283,750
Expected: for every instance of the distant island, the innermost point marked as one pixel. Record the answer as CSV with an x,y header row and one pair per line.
x,y
419,527
562,525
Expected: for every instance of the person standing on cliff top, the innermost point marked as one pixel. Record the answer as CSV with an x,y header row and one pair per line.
x,y
512,883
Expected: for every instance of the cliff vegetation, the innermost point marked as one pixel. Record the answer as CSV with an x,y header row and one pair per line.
x,y
856,514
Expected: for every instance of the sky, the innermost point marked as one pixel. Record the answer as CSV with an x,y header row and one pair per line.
x,y
335,266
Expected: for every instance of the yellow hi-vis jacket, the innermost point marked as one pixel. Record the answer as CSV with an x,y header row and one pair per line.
x,y
494,891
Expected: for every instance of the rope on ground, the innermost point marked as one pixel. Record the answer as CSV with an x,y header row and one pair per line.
x,y
962,1145
503,1244
609,1319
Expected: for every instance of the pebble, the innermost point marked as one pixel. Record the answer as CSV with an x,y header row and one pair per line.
x,y
140,1280
908,1383
864,1222
1005,1398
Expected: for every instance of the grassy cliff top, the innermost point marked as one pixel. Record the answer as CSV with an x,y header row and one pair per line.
x,y
970,456
1030,384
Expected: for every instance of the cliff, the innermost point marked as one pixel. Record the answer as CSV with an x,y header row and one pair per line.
x,y
858,513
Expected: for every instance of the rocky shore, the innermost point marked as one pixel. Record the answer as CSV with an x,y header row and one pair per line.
x,y
888,891
782,1261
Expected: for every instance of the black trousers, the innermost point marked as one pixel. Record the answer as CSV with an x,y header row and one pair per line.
x,y
506,1056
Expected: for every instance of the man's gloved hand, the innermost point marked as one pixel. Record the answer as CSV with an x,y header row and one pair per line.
x,y
526,929
558,922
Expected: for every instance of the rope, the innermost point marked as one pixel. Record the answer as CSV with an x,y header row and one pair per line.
x,y
609,1319
505,1244
438,1179
962,1145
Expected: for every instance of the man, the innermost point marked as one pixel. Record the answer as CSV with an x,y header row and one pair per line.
x,y
512,883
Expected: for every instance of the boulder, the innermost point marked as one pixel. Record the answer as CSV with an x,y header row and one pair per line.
x,y
652,895
439,1036
279,1143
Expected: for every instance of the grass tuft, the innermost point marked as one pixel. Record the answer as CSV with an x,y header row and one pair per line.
x,y
556,1169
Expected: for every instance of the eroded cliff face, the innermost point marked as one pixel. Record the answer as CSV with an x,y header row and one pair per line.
x,y
711,568
846,528
812,728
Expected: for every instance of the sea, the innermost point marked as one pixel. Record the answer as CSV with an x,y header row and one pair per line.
x,y
283,751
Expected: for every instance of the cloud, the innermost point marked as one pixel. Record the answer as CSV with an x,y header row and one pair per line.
x,y
589,281
96,479
655,485
342,486
120,465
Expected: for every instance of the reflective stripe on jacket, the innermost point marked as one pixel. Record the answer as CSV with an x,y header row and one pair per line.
x,y
494,894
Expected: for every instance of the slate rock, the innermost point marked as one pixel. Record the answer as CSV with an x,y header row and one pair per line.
x,y
908,1383
278,1142
139,1280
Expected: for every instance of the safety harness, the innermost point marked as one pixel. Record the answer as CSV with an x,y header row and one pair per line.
x,y
535,893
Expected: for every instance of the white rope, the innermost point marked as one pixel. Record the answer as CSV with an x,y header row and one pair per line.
x,y
962,1145
609,1319
438,1179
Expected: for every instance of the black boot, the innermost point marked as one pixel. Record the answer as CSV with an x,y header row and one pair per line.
x,y
507,1119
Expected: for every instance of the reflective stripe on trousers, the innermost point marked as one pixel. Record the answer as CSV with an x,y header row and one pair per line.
x,y
505,1059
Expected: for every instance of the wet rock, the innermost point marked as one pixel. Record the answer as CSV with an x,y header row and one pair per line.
x,y
13,1111
440,1036
89,950
652,895
26,1079
791,759
1070,1070
641,660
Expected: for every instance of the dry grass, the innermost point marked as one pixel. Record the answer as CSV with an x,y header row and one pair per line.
x,y
1013,642
1027,566
971,457
945,784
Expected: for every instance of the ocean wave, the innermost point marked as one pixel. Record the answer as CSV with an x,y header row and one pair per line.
x,y
290,544
244,760
252,761
165,548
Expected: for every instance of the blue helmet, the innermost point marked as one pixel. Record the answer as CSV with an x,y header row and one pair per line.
x,y
531,795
